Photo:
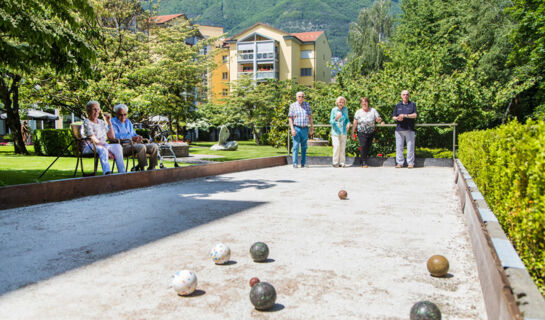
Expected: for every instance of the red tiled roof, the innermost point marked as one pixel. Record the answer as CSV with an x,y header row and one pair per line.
x,y
165,18
307,36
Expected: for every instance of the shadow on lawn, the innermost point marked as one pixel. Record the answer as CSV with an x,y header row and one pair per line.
x,y
39,242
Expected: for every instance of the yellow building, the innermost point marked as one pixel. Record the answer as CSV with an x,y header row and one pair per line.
x,y
264,52
218,79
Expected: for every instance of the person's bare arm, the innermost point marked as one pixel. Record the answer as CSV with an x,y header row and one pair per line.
x,y
291,126
311,130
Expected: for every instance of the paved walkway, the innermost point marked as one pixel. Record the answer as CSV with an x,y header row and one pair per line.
x,y
111,256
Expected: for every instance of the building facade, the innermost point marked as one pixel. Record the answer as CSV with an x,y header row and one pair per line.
x,y
263,52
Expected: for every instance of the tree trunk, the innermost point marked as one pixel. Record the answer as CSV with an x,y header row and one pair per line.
x,y
258,132
9,94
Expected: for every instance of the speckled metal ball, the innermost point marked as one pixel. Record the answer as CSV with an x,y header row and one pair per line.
x,y
259,251
425,310
438,266
263,296
184,282
220,254
343,194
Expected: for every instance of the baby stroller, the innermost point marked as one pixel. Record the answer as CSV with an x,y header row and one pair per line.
x,y
161,137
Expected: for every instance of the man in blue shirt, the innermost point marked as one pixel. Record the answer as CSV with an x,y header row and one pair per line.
x,y
124,129
300,119
405,113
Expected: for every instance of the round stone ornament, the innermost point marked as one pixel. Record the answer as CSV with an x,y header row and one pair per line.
x,y
343,194
425,310
438,266
263,296
259,251
220,254
184,282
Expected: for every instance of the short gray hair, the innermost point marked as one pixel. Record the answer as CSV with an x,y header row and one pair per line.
x,y
122,107
300,92
90,104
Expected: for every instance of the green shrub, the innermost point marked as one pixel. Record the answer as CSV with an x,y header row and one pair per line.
x,y
52,142
508,165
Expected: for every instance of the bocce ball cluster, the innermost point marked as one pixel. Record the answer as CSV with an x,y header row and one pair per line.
x,y
262,294
438,267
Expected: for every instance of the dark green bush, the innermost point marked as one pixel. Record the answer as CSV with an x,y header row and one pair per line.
x,y
52,142
508,165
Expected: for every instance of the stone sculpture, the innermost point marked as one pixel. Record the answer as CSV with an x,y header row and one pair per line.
x,y
223,144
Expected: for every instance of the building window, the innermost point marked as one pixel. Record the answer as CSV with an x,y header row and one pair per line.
x,y
225,92
224,76
225,59
306,72
306,54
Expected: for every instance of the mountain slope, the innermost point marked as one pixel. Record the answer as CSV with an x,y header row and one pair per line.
x,y
332,16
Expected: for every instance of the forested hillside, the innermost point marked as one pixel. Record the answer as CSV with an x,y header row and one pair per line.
x,y
333,16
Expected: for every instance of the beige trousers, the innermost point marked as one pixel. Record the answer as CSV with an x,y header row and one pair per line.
x,y
339,148
140,151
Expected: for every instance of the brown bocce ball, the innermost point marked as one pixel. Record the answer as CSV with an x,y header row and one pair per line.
x,y
438,266
343,194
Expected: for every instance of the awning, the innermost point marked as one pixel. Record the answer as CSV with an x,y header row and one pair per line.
x,y
36,115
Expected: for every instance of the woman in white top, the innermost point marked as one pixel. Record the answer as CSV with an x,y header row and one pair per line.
x,y
364,121
97,131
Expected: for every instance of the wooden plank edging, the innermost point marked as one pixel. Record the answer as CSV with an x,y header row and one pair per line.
x,y
509,292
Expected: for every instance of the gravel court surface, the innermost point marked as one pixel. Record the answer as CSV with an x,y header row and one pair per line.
x,y
112,256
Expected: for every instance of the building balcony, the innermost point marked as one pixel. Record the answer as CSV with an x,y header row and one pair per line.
x,y
246,74
262,75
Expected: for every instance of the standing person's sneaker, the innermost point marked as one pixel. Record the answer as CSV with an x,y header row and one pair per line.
x,y
398,166
294,166
364,166
335,165
410,166
304,166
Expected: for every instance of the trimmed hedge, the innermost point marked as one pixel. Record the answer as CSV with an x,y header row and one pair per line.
x,y
508,165
51,142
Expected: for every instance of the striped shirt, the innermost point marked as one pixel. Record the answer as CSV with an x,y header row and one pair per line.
x,y
300,113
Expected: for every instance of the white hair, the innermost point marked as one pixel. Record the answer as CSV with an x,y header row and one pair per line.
x,y
90,104
300,92
339,98
121,106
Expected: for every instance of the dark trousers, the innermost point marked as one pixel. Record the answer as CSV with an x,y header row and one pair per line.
x,y
366,139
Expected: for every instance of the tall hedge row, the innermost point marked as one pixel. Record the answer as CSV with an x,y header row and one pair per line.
x,y
508,165
51,142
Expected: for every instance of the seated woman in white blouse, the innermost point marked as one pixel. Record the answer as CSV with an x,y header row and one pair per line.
x,y
98,131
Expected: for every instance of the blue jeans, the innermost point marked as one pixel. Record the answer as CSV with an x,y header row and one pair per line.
x,y
300,138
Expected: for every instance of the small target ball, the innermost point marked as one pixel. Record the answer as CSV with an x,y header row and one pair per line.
x,y
438,266
220,254
343,194
263,296
253,281
425,310
184,282
259,251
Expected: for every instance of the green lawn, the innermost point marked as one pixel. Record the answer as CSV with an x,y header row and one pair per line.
x,y
17,169
249,150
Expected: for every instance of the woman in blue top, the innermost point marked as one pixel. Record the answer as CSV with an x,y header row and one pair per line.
x,y
339,127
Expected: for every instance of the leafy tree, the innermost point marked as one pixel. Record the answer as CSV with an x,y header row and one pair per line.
x,y
41,33
176,76
528,55
368,35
